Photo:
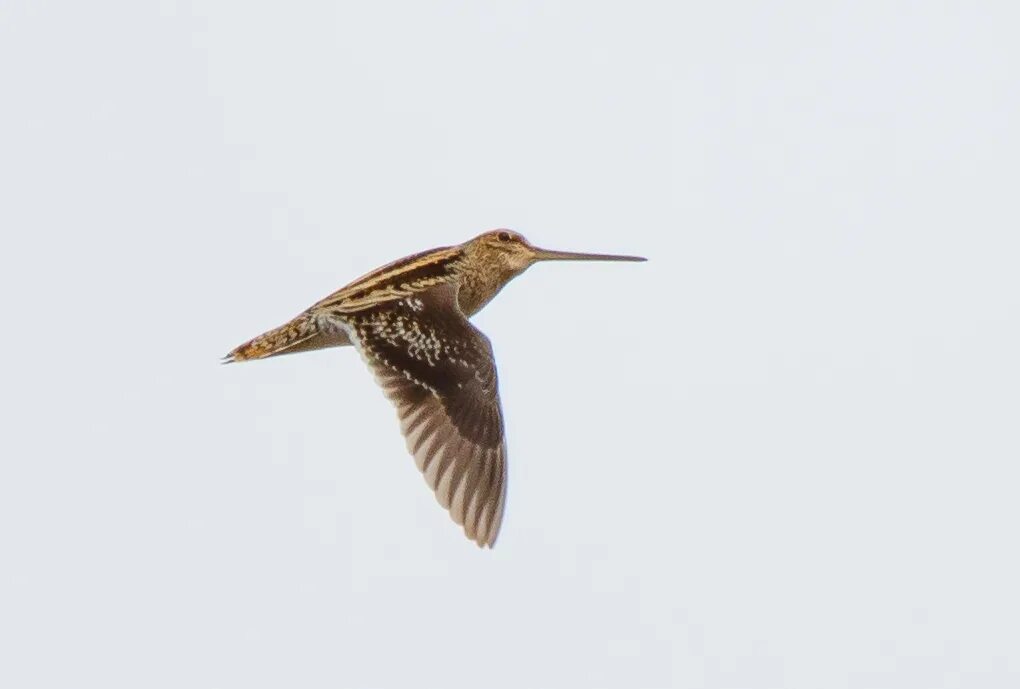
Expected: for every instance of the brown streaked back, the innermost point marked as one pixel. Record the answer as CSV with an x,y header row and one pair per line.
x,y
395,280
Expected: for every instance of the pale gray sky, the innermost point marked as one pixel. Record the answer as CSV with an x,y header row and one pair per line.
x,y
781,454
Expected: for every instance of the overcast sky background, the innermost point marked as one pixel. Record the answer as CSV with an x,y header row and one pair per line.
x,y
781,454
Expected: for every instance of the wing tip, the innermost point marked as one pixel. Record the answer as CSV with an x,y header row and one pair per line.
x,y
483,542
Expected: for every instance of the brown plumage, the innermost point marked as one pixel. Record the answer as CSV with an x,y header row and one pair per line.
x,y
409,321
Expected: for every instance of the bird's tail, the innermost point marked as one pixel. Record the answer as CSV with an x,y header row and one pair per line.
x,y
299,335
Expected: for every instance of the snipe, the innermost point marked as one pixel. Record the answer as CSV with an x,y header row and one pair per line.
x,y
409,321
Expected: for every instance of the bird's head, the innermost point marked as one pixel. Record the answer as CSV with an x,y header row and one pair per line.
x,y
513,254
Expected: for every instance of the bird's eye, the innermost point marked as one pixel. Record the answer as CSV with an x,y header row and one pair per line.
x,y
503,236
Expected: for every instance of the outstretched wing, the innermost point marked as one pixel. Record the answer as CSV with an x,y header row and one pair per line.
x,y
438,370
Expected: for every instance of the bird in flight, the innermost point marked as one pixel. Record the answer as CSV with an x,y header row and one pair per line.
x,y
409,322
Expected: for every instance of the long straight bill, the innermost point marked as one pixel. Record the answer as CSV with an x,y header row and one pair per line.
x,y
546,255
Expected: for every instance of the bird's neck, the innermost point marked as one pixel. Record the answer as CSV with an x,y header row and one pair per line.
x,y
477,288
